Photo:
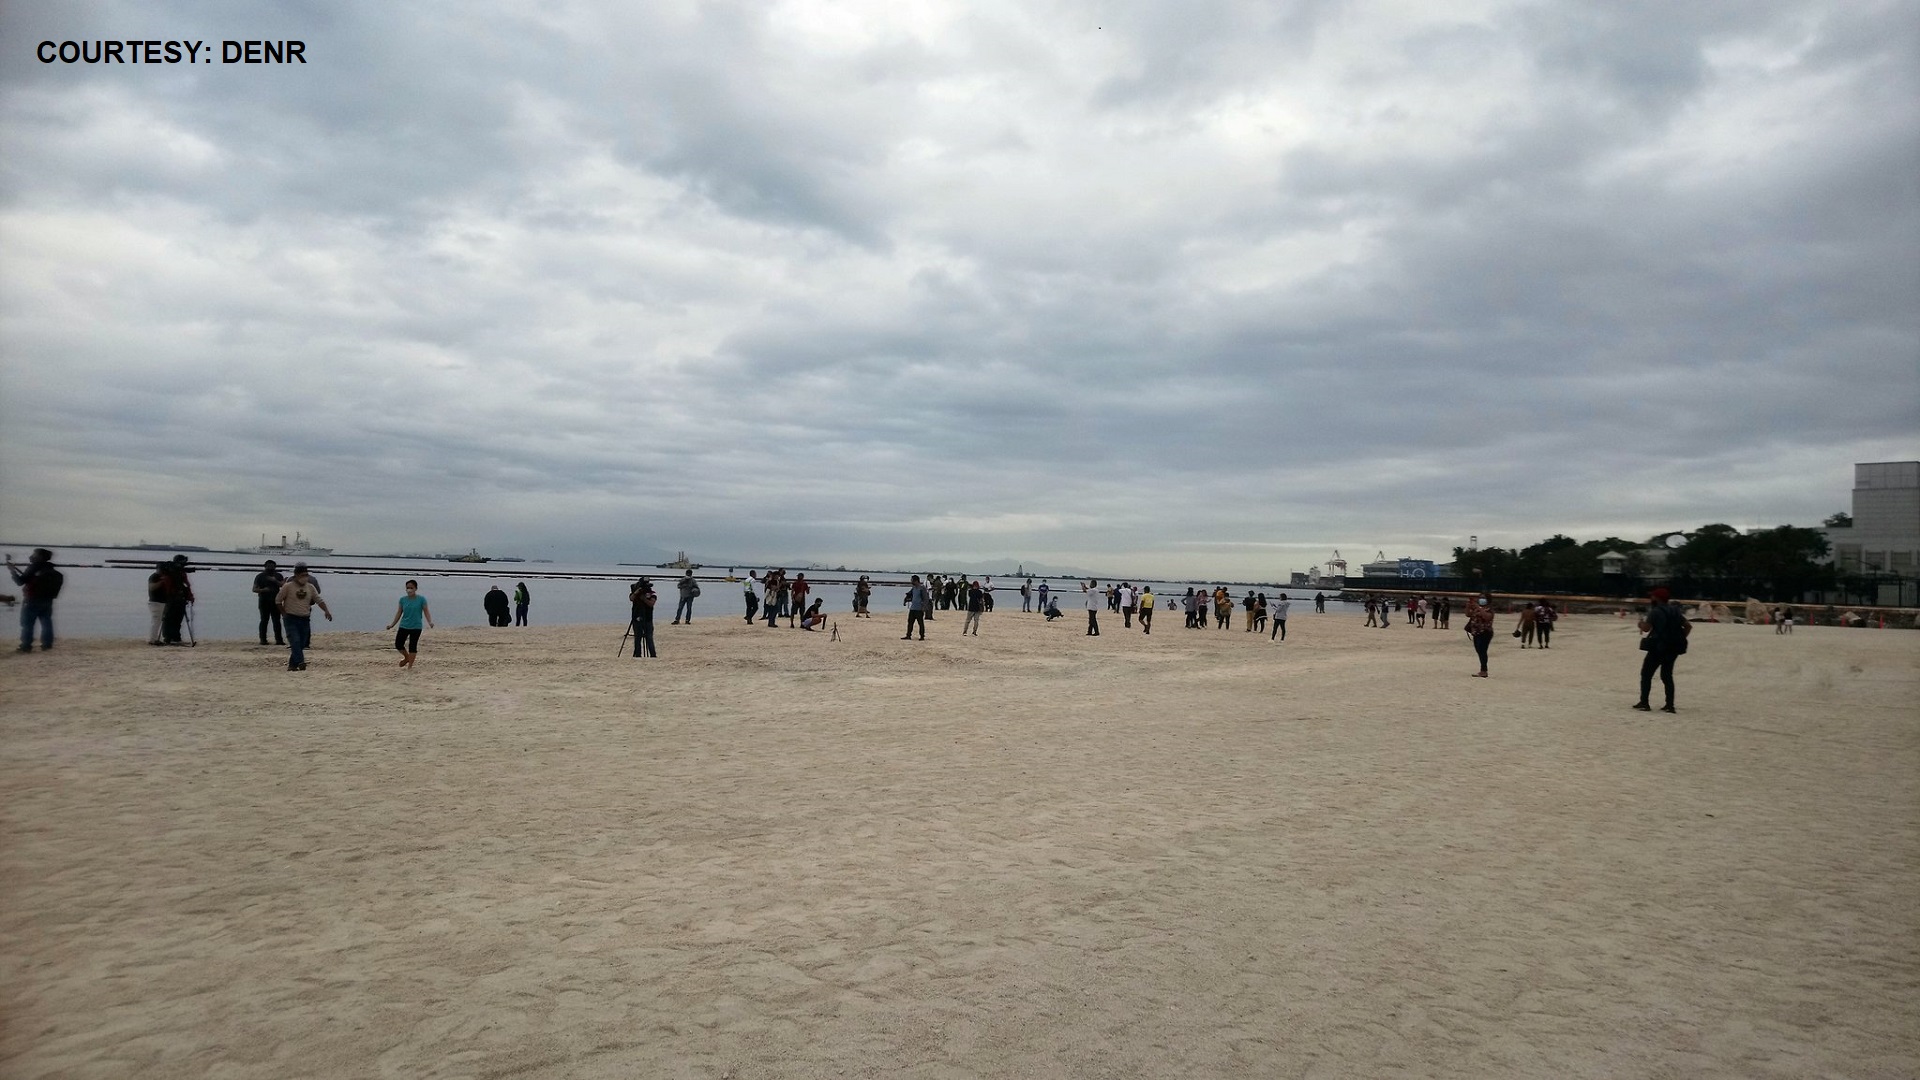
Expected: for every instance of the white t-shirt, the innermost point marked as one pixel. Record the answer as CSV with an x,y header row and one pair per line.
x,y
1096,599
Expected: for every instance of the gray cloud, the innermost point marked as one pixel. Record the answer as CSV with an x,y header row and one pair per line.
x,y
1208,294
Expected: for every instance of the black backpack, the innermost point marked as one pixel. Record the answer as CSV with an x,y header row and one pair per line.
x,y
47,587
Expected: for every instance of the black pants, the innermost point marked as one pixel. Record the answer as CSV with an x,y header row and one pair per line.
x,y
1146,620
753,605
1279,630
1093,623
1657,660
1542,631
915,615
270,616
1480,643
407,640
643,637
171,619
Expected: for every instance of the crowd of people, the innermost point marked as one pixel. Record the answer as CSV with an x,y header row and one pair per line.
x,y
286,605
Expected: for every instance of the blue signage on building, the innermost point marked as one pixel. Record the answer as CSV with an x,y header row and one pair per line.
x,y
1417,568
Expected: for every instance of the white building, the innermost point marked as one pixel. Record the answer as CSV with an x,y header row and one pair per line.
x,y
1885,536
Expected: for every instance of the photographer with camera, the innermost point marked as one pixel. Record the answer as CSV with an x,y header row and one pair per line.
x,y
39,585
643,599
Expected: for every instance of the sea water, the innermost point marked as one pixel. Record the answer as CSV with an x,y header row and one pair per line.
x,y
100,599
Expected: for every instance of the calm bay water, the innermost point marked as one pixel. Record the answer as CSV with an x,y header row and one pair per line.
x,y
102,600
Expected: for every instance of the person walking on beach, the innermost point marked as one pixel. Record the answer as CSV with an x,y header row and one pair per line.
x,y
918,601
40,583
521,600
1095,600
411,616
1128,603
751,585
1480,629
1446,612
1146,609
643,599
296,602
1277,611
1543,617
689,589
1319,603
1524,631
1665,632
266,588
862,598
976,601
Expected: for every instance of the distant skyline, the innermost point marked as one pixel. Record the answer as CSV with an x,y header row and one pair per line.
x,y
1198,290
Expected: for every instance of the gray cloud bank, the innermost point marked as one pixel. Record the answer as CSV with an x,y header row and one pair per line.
x,y
1207,288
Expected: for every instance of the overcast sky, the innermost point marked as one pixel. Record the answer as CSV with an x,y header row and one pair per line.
x,y
1176,288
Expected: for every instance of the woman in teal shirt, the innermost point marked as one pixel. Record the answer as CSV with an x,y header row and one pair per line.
x,y
409,616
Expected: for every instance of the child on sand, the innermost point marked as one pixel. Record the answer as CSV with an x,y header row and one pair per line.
x,y
410,617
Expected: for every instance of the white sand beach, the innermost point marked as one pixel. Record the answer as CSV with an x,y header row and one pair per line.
x,y
1030,854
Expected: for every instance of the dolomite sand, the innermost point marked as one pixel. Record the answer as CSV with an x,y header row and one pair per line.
x,y
1033,854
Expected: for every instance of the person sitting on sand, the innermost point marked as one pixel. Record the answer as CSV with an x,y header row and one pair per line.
x,y
1053,608
813,619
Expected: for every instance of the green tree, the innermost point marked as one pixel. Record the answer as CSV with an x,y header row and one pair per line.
x,y
1840,520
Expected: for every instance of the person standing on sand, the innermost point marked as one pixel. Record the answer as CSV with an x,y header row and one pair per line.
x,y
411,616
1146,609
799,604
751,585
1095,600
643,599
1543,616
918,600
1043,596
40,584
1277,611
1026,596
862,598
157,605
689,589
179,595
1319,603
495,603
1665,641
521,599
975,602
1480,629
266,586
296,602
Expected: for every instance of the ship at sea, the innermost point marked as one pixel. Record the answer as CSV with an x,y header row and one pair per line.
x,y
472,555
681,563
300,546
